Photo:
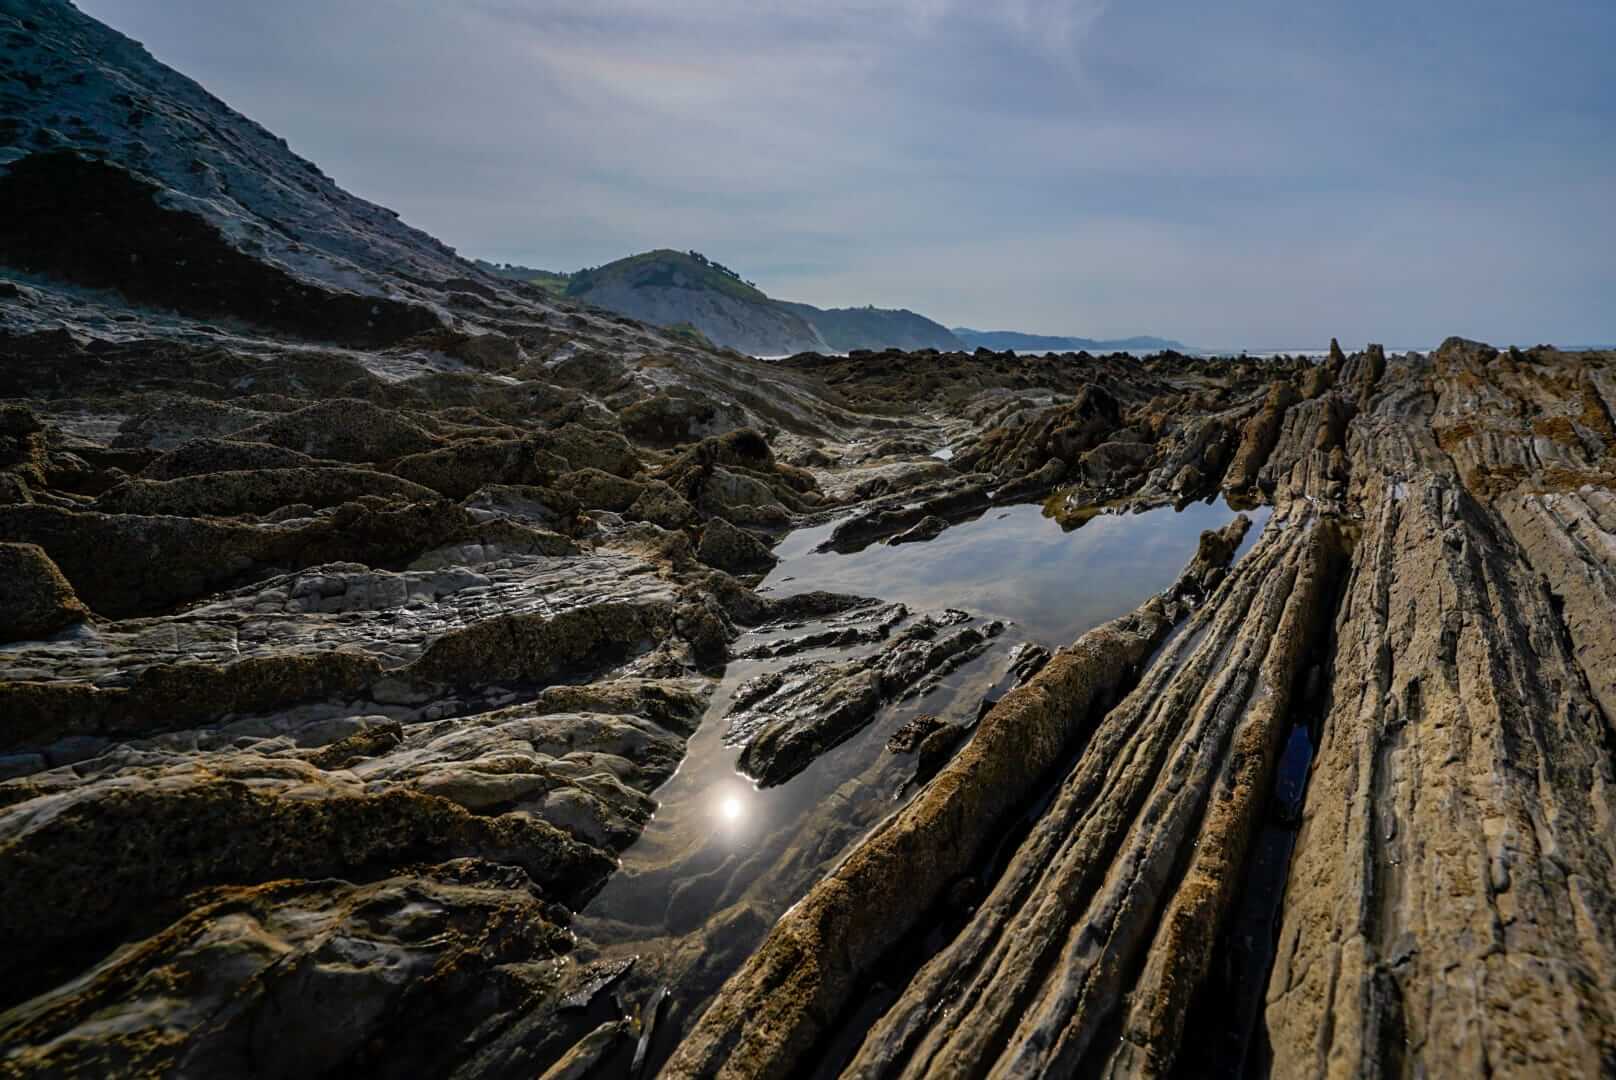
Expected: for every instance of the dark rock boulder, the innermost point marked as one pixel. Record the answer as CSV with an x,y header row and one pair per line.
x,y
927,528
441,946
543,507
125,564
22,444
907,739
461,468
584,447
666,420
1111,462
595,489
662,506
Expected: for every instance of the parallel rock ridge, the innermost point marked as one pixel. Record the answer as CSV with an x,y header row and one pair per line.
x,y
355,605
1428,606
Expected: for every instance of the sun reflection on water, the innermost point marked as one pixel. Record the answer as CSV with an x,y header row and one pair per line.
x,y
731,804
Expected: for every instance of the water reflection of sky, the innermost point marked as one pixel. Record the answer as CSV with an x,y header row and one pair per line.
x,y
1014,563
718,841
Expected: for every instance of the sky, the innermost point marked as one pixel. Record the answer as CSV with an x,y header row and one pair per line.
x,y
1253,173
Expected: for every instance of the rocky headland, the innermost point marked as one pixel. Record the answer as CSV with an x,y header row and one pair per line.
x,y
362,612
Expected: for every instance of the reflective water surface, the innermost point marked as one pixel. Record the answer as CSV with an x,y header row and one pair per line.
x,y
1013,563
722,860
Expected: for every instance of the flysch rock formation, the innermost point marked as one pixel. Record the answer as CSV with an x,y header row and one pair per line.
x,y
357,607
1428,604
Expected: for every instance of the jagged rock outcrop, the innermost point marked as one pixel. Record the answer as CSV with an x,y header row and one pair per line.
x,y
1258,439
1465,755
297,975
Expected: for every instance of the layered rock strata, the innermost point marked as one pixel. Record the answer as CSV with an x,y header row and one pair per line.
x,y
1427,606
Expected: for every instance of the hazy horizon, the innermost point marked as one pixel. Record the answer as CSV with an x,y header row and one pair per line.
x,y
1249,176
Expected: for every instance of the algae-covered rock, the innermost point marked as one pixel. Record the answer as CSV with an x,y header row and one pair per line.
x,y
727,548
294,976
207,455
35,599
595,488
125,564
344,430
462,468
665,420
255,491
592,448
662,506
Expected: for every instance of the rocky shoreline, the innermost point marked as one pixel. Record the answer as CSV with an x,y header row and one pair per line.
x,y
369,625
396,685
1448,906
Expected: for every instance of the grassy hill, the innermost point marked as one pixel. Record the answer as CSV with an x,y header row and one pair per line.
x,y
687,289
666,268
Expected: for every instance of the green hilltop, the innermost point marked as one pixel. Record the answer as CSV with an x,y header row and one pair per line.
x,y
667,268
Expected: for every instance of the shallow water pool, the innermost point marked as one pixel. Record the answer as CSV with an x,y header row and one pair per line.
x,y
1014,563
723,859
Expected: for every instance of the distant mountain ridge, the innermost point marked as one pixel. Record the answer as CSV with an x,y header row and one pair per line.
x,y
846,329
686,289
1000,340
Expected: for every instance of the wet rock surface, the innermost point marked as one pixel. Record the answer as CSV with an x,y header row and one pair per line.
x,y
791,715
389,665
